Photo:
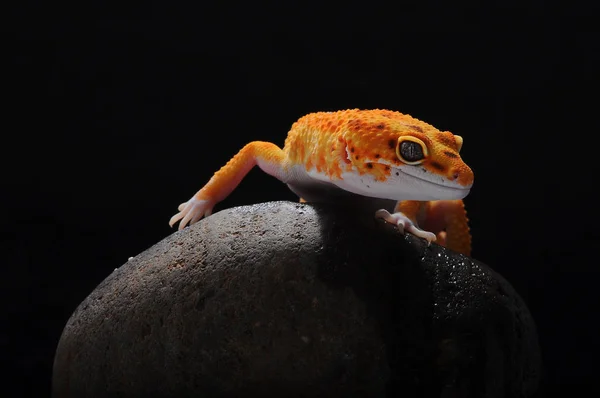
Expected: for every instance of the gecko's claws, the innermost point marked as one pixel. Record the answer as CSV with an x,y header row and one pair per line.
x,y
404,224
191,212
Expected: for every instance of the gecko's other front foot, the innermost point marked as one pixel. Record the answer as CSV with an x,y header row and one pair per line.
x,y
404,224
191,212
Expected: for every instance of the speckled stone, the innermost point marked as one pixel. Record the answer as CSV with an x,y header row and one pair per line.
x,y
292,300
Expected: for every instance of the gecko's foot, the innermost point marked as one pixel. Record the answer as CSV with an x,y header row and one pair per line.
x,y
404,224
191,212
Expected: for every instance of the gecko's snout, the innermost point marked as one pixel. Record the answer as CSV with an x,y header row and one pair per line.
x,y
462,174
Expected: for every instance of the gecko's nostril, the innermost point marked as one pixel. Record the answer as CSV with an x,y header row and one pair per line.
x,y
453,175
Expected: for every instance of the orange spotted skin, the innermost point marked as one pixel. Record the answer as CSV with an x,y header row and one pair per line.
x,y
358,151
319,140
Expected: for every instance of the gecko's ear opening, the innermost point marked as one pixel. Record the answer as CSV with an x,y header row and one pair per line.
x,y
459,141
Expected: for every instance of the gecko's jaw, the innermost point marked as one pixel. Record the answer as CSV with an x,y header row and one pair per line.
x,y
424,183
415,180
403,183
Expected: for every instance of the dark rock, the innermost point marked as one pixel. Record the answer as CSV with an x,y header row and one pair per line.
x,y
291,300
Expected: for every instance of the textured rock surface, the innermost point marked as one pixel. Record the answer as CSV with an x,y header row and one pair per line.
x,y
283,299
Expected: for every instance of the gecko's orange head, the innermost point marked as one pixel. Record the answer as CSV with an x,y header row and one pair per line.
x,y
412,159
436,153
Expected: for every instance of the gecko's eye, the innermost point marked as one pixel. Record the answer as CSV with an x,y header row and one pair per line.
x,y
411,150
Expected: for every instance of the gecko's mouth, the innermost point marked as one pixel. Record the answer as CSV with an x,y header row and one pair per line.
x,y
421,174
441,181
405,182
429,185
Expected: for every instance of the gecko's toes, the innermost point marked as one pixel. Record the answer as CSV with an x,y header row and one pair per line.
x,y
404,224
191,212
428,236
174,219
196,218
400,225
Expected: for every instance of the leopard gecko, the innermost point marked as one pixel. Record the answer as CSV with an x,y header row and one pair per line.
x,y
373,153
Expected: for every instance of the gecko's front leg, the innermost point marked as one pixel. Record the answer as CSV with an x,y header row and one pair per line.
x,y
269,157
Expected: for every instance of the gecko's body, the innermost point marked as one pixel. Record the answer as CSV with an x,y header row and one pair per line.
x,y
373,153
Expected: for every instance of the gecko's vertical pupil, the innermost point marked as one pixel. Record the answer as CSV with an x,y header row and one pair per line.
x,y
411,151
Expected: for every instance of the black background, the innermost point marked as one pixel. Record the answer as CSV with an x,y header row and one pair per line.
x,y
114,116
